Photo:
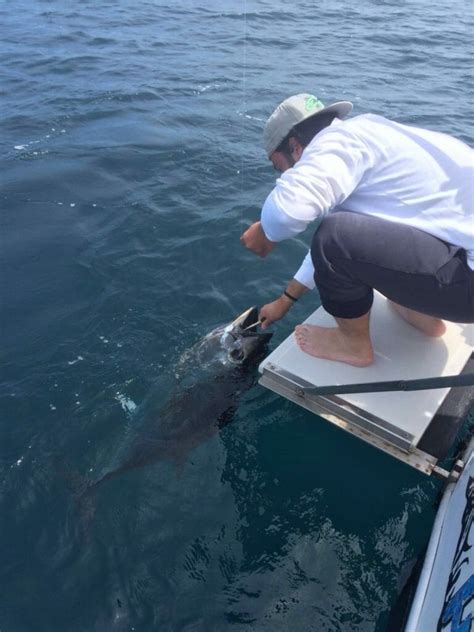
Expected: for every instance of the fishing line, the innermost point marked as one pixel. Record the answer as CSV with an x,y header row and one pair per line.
x,y
244,98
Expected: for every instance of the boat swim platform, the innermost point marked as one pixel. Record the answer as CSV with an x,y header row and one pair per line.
x,y
417,427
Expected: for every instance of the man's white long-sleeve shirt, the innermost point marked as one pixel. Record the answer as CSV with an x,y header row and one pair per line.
x,y
371,165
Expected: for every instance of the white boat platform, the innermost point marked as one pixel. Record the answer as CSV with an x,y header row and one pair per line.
x,y
410,426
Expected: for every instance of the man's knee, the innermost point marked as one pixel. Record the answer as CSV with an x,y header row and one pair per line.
x,y
342,293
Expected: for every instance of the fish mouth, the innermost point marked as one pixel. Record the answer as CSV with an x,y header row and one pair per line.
x,y
241,338
246,319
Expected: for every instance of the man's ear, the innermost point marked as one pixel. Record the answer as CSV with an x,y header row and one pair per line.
x,y
295,147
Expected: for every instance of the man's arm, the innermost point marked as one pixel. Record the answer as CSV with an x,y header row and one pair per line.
x,y
305,273
302,282
329,171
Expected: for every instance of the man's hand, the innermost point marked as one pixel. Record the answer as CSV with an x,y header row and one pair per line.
x,y
255,240
274,311
277,309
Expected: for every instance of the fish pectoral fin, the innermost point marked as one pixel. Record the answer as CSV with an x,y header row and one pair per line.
x,y
226,417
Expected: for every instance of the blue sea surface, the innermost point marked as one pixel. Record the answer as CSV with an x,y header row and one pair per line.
x,y
131,162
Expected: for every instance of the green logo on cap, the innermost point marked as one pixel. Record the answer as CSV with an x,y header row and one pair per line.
x,y
312,103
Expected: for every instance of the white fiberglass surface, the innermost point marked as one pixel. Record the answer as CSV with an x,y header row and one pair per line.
x,y
401,353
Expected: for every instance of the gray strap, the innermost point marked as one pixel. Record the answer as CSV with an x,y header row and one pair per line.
x,y
446,381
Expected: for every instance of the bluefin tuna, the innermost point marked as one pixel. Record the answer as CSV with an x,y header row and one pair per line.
x,y
198,408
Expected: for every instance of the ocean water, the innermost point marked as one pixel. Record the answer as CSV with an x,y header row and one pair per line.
x,y
131,162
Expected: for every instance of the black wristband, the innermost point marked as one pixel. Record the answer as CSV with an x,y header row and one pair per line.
x,y
292,298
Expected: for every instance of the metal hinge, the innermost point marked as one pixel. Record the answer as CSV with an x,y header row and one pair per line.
x,y
450,476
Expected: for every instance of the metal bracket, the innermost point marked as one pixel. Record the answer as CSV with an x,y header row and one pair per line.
x,y
302,392
450,476
362,424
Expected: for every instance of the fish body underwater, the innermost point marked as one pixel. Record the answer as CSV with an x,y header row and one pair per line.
x,y
225,362
173,420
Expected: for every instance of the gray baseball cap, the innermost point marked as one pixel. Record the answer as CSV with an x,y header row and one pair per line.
x,y
294,110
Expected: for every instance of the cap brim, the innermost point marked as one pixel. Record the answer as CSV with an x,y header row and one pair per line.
x,y
341,108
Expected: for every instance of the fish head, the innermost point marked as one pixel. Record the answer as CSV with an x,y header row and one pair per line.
x,y
241,340
236,343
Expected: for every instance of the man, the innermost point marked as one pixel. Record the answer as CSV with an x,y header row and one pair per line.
x,y
396,211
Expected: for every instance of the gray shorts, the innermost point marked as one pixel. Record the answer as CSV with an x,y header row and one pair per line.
x,y
353,254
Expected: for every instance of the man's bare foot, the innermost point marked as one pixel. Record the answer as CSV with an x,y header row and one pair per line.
x,y
332,343
429,325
